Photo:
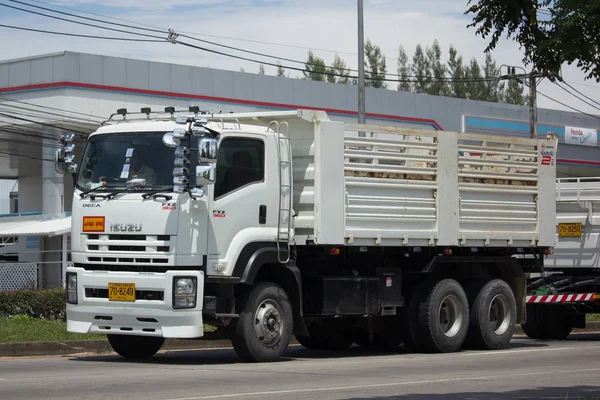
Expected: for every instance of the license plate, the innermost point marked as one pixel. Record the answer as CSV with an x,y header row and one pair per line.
x,y
121,291
571,229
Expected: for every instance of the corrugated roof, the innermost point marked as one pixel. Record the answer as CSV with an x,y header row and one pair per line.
x,y
40,226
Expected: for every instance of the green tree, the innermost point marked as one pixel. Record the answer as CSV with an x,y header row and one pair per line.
x,y
457,72
340,69
280,70
476,87
494,89
439,84
514,93
315,68
403,71
550,32
421,71
375,66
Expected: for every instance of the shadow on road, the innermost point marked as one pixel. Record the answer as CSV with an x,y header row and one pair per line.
x,y
293,353
570,393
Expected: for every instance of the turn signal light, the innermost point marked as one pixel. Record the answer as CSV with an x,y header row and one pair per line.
x,y
334,251
447,252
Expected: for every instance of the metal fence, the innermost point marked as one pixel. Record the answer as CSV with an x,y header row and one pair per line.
x,y
18,276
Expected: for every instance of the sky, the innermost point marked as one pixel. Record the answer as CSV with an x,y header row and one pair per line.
x,y
283,28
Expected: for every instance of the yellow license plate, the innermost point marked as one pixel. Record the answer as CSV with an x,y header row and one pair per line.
x,y
571,229
121,291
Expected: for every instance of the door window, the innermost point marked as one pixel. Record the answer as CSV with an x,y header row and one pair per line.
x,y
240,162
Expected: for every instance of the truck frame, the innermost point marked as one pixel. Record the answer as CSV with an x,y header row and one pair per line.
x,y
288,223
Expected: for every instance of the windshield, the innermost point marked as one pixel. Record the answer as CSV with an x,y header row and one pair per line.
x,y
113,160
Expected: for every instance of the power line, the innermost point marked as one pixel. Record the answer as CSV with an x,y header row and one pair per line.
x,y
80,23
164,31
577,97
42,123
203,34
563,104
444,79
79,35
48,107
43,114
566,83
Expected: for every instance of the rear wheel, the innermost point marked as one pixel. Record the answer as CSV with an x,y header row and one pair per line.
x,y
546,321
532,327
556,324
264,328
443,318
492,316
130,346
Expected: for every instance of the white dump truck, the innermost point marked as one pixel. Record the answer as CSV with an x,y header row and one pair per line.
x,y
265,225
569,288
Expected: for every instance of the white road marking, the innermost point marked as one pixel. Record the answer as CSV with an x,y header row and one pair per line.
x,y
500,352
380,385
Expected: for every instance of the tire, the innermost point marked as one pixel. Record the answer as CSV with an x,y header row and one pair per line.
x,y
264,328
547,322
130,346
410,315
443,319
532,327
493,311
555,323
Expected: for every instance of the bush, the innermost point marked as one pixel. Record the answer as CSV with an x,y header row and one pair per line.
x,y
43,304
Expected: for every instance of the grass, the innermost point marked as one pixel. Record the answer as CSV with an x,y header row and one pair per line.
x,y
27,329
592,317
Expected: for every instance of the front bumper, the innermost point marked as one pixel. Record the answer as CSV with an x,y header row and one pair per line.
x,y
94,313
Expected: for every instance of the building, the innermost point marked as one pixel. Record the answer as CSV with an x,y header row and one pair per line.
x,y
42,96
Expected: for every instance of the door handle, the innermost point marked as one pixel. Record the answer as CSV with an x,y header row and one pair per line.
x,y
262,214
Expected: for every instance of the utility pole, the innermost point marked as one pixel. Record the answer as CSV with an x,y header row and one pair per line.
x,y
361,67
533,105
529,79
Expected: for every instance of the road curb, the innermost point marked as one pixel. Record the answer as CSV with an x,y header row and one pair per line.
x,y
101,346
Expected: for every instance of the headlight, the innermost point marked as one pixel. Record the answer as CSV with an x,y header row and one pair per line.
x,y
71,288
184,292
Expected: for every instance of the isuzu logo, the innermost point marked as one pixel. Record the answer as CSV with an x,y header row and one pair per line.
x,y
117,227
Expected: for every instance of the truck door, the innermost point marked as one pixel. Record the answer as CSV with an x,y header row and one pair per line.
x,y
240,201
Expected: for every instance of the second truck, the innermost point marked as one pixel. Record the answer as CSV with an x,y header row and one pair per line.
x,y
272,224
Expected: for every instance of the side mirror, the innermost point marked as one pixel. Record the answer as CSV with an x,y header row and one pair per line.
x,y
205,175
207,150
59,164
64,157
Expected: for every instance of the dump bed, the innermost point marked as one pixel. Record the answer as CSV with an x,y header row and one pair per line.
x,y
390,186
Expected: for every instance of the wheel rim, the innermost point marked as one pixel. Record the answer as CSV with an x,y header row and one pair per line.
x,y
499,315
268,324
451,315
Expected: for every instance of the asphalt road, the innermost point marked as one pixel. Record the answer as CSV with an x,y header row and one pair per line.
x,y
529,369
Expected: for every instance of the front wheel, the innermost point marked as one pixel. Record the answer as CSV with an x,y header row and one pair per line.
x,y
264,328
130,346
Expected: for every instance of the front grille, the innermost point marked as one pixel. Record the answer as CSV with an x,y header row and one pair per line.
x,y
147,249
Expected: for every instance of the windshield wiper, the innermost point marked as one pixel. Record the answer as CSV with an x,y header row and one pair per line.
x,y
96,189
155,194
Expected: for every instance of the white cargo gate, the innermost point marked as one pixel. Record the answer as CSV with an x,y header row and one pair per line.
x,y
424,188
